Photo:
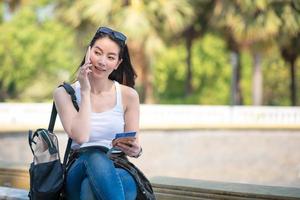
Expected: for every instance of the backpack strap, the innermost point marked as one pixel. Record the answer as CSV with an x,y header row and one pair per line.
x,y
69,89
52,118
51,145
71,92
30,140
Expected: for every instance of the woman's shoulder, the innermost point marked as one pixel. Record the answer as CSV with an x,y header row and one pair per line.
x,y
129,93
60,91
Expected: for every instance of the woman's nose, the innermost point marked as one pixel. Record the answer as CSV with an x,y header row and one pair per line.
x,y
101,60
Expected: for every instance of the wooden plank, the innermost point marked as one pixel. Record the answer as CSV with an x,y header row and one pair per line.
x,y
16,178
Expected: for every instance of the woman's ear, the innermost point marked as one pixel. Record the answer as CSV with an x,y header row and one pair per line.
x,y
119,62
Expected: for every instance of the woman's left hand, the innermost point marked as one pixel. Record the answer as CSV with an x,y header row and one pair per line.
x,y
129,146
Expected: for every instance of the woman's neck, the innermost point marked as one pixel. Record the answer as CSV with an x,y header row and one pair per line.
x,y
100,85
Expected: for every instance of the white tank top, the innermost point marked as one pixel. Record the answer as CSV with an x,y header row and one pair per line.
x,y
104,125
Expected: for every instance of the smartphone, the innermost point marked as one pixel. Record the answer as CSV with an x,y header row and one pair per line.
x,y
120,136
125,135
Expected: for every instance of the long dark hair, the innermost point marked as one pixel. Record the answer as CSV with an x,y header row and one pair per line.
x,y
125,73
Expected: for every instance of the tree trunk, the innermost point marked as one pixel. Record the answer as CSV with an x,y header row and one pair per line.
x,y
233,59
145,76
188,81
149,92
3,93
257,80
293,86
236,94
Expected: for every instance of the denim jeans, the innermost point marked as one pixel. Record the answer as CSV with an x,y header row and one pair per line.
x,y
94,176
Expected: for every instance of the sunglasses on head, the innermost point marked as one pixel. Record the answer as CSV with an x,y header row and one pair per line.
x,y
118,35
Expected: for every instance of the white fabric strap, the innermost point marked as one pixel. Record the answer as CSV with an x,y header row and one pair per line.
x,y
119,94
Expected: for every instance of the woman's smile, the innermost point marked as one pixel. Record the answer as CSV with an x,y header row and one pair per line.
x,y
101,69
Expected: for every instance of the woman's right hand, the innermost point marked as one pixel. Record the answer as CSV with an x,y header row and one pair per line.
x,y
83,75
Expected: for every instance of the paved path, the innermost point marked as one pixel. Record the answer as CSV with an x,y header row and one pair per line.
x,y
257,157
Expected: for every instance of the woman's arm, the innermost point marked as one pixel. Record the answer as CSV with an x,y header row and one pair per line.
x,y
76,124
132,110
131,104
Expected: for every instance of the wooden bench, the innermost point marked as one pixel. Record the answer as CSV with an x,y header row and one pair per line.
x,y
14,176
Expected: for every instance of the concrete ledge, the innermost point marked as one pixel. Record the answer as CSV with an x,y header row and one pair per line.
x,y
167,188
24,116
7,193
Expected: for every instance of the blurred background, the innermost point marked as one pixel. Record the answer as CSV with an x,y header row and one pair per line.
x,y
220,55
185,52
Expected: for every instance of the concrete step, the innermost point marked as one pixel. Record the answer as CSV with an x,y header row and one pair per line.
x,y
7,193
168,188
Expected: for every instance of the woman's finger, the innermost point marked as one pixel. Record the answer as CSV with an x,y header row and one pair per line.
x,y
125,140
130,143
87,55
85,68
130,149
125,148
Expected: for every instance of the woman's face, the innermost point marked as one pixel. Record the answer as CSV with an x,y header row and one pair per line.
x,y
104,57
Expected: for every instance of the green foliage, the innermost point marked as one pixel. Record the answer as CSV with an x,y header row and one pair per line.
x,y
211,73
276,80
212,70
148,25
246,82
38,51
34,52
169,75
1,12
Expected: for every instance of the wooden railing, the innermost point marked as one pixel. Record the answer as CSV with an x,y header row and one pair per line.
x,y
16,182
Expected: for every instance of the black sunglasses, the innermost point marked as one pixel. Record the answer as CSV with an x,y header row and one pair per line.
x,y
118,35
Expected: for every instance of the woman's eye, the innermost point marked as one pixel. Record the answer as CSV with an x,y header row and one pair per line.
x,y
97,53
111,58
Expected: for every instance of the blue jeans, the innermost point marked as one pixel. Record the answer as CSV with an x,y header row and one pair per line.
x,y
94,176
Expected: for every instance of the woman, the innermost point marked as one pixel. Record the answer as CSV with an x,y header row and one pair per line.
x,y
108,105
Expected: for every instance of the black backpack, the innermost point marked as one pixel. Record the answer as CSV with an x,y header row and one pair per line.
x,y
46,171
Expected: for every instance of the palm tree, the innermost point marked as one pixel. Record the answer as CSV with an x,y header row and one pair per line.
x,y
147,24
195,29
290,52
247,26
289,39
